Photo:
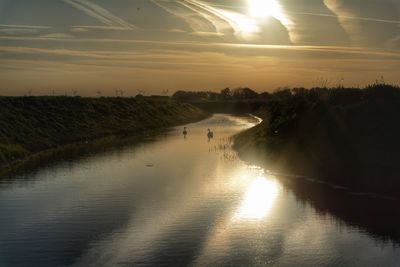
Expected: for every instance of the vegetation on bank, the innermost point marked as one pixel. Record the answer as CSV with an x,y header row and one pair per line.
x,y
241,94
32,124
240,100
347,136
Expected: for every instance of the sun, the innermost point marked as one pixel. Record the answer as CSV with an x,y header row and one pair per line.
x,y
264,8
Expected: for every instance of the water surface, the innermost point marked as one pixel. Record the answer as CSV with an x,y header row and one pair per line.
x,y
176,201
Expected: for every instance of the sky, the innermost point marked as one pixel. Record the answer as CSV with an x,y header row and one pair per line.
x,y
96,47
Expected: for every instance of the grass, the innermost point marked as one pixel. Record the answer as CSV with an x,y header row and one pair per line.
x,y
32,124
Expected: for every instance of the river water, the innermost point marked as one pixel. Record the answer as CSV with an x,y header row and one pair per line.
x,y
175,201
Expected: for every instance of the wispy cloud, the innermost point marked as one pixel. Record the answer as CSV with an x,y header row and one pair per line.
x,y
100,13
209,34
11,29
67,68
79,29
202,17
24,26
288,11
242,25
342,14
176,30
17,31
195,20
57,35
394,42
349,17
359,27
159,49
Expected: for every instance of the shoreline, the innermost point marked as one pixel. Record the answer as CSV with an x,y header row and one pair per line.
x,y
31,127
83,147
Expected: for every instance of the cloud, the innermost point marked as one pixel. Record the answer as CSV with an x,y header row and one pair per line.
x,y
346,17
79,29
195,20
100,13
169,51
83,28
57,35
209,34
202,17
176,30
6,29
394,43
24,26
17,31
213,70
367,22
206,17
343,13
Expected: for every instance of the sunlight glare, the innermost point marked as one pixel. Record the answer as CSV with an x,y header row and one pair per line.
x,y
261,9
242,24
258,199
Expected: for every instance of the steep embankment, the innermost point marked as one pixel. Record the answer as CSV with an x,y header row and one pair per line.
x,y
32,124
347,137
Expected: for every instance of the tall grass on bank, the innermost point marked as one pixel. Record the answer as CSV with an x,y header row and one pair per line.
x,y
32,124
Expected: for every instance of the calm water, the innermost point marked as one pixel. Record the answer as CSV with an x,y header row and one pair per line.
x,y
175,202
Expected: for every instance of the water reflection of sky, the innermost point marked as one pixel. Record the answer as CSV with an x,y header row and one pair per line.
x,y
198,204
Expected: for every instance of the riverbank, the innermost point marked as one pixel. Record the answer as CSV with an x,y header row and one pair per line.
x,y
347,137
29,125
95,204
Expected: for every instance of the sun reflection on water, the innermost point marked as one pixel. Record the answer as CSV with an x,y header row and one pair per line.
x,y
258,199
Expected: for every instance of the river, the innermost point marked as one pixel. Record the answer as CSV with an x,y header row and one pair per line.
x,y
175,201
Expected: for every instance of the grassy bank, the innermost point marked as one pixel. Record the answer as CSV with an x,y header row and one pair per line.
x,y
345,136
32,124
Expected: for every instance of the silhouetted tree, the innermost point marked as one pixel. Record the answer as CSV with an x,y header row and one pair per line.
x,y
265,95
226,93
244,93
282,93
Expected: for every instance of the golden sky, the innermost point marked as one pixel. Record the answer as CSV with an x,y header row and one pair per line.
x,y
99,46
